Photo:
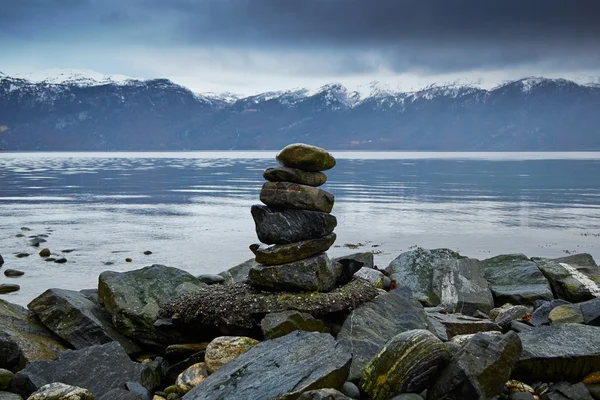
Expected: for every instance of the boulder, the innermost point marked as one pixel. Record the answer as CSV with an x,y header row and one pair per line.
x,y
60,391
242,306
239,273
507,315
286,253
571,282
323,394
296,196
279,324
443,277
541,314
567,391
515,279
446,326
224,349
462,339
23,339
133,298
77,320
305,157
191,377
591,311
408,362
373,276
279,368
9,288
5,378
581,259
316,273
283,174
479,369
371,325
352,263
289,226
112,369
562,352
568,313
9,396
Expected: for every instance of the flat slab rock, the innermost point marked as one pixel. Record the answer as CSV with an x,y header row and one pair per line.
x,y
563,352
77,320
133,298
371,325
97,368
296,196
443,277
286,253
242,305
446,326
24,339
290,226
515,279
281,368
284,174
570,281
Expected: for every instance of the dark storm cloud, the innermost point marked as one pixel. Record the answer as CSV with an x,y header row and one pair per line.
x,y
400,35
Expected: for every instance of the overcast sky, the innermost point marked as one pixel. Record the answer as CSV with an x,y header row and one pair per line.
x,y
247,46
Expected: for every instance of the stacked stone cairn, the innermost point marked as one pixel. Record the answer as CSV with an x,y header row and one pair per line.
x,y
295,225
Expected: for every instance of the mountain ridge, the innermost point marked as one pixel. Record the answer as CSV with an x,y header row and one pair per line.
x,y
79,112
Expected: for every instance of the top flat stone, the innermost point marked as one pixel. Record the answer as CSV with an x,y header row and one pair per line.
x,y
305,157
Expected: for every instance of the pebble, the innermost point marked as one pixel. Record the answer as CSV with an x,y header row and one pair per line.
x,y
8,288
13,273
61,260
5,378
351,390
22,255
45,252
128,260
147,252
50,259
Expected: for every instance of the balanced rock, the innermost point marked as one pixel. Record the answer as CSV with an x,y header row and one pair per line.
x,y
133,298
289,226
572,282
283,174
559,352
407,363
515,279
279,324
443,277
224,349
280,368
371,325
286,253
296,196
60,391
479,369
316,273
77,320
305,157
23,339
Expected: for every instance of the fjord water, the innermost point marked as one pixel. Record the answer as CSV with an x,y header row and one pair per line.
x,y
192,210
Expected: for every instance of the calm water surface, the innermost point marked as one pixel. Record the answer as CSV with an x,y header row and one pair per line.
x,y
192,210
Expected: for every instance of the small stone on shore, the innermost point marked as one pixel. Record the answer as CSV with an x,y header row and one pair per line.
x,y
22,255
8,288
128,260
61,260
13,273
45,252
147,252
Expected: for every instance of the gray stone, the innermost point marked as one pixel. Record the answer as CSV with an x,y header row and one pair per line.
x,y
35,242
120,394
9,288
211,279
371,275
9,396
61,260
296,196
112,368
1,260
541,315
371,325
446,326
323,394
568,313
23,339
521,396
13,273
280,368
462,339
138,390
594,390
351,390
582,259
591,311
352,263
60,391
443,277
77,320
506,316
286,253
408,362
515,279
22,255
239,273
316,273
305,157
567,391
283,174
279,324
479,370
289,226
571,282
133,298
5,378
559,352
407,396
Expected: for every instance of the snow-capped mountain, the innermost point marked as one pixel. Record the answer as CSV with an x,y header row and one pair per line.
x,y
81,110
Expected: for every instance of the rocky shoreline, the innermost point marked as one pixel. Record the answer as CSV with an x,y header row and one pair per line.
x,y
291,323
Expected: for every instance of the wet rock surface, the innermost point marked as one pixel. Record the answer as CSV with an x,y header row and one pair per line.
x,y
296,196
286,253
284,174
